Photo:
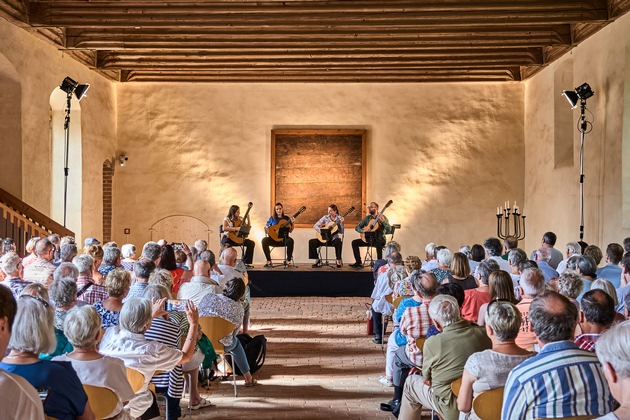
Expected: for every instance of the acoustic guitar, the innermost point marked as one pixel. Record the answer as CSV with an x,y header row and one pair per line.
x,y
374,224
333,226
239,236
274,230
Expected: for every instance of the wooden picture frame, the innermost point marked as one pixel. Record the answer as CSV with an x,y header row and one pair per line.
x,y
315,168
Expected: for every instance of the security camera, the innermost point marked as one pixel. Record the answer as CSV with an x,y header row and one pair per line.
x,y
123,159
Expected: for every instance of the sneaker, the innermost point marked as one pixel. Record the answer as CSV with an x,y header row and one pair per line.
x,y
377,340
385,381
356,265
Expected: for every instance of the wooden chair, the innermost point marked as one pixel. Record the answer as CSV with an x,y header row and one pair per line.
x,y
420,342
488,404
216,328
102,400
455,386
385,319
398,300
136,379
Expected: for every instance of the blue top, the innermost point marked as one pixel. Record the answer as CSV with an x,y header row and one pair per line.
x,y
401,340
275,220
612,273
66,397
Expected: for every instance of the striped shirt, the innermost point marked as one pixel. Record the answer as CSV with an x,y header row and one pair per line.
x,y
95,293
560,381
414,324
169,333
587,341
16,285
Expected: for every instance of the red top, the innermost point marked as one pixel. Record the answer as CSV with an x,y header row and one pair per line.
x,y
473,299
177,279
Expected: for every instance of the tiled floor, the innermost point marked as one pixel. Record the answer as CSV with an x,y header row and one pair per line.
x,y
320,364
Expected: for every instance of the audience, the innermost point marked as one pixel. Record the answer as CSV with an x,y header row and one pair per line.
x,y
383,288
444,258
117,284
168,262
542,256
569,284
11,266
96,252
614,355
404,286
460,272
572,249
430,262
532,285
494,250
474,299
88,291
30,250
42,268
597,313
548,242
142,270
594,252
111,260
128,252
612,271
501,288
200,284
586,268
624,286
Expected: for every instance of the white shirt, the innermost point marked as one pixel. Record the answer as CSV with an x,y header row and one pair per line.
x,y
229,272
197,288
381,289
503,264
107,372
144,356
429,265
18,399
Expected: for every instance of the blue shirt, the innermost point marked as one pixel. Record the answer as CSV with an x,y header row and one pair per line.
x,y
66,398
401,340
560,381
612,273
547,270
621,295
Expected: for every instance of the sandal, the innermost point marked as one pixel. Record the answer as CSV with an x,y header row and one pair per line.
x,y
254,382
202,403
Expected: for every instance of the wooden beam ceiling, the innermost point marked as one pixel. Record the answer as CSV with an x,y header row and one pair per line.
x,y
314,41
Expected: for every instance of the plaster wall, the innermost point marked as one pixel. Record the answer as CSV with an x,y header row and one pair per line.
x,y
552,193
40,68
446,154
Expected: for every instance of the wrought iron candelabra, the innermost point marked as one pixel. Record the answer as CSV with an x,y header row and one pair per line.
x,y
504,214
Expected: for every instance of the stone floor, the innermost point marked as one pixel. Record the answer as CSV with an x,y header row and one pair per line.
x,y
320,364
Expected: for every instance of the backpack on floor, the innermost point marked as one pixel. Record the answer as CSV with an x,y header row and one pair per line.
x,y
255,350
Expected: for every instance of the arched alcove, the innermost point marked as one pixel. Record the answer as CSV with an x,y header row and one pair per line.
x,y
10,128
75,173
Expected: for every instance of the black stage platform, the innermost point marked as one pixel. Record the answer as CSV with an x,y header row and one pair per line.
x,y
302,280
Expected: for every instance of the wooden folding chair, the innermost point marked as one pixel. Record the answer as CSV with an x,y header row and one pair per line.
x,y
102,400
455,386
136,379
216,328
488,404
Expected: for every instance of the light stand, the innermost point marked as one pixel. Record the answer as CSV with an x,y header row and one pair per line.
x,y
69,86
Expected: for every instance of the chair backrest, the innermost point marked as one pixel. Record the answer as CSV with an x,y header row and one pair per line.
x,y
420,342
215,328
389,298
398,300
136,379
455,386
102,400
488,404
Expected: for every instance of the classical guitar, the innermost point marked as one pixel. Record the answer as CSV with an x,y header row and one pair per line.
x,y
274,230
374,224
239,236
333,226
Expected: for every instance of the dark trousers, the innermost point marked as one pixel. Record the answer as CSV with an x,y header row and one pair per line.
x,y
314,243
152,412
249,248
267,242
377,324
357,243
402,366
173,410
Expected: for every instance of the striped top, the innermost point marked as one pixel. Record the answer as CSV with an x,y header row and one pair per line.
x,y
169,333
560,381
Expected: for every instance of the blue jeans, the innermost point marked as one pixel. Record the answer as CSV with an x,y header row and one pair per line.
x,y
239,355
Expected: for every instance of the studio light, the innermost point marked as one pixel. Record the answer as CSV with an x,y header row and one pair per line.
x,y
580,93
572,97
70,86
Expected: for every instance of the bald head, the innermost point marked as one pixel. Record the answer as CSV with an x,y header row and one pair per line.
x,y
202,268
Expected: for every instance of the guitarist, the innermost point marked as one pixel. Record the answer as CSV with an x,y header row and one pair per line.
x,y
232,223
383,229
267,242
314,244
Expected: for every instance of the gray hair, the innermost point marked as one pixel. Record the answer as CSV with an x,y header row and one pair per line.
x,y
444,309
570,284
63,292
572,262
543,254
394,258
66,271
485,268
613,347
505,319
586,266
128,250
574,248
392,246
117,282
607,287
33,329
81,327
163,277
465,249
532,281
30,245
445,256
36,289
429,250
424,282
200,245
516,256
151,250
110,255
143,268
136,315
493,247
9,262
156,292
84,263
68,252
553,321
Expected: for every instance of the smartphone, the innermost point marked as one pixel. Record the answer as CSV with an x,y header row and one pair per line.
x,y
178,246
175,305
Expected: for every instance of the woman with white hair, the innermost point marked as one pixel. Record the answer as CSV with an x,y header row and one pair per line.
x,y
82,327
613,352
444,259
126,341
33,333
128,252
30,249
118,283
489,369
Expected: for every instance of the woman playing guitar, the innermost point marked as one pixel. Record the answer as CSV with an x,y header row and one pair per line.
x,y
274,219
313,244
231,225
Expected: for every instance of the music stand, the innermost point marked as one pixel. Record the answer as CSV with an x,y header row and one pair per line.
x,y
370,239
243,231
327,235
284,233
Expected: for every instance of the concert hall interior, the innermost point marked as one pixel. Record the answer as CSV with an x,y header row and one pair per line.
x,y
446,153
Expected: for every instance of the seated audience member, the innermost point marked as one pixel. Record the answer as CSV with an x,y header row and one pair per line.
x,y
586,268
162,277
477,254
414,323
96,252
111,260
572,249
493,249
528,391
509,243
475,298
168,262
82,327
126,341
36,290
128,252
199,246
489,369
142,269
380,265
614,354
182,259
11,266
548,241
227,267
606,286
444,357
594,252
515,258
89,241
88,291
404,286
33,333
542,257
18,399
30,251
460,272
532,285
501,288
597,313
55,240
200,284
117,284
430,262
40,270
570,285
228,305
624,287
66,253
383,288
152,251
444,257
612,271
626,246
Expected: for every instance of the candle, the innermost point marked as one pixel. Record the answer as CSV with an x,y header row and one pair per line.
x,y
523,212
498,213
515,204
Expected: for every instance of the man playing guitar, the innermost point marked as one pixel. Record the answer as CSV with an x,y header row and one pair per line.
x,y
379,234
314,244
267,241
231,225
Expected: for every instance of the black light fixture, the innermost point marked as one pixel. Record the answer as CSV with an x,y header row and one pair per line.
x,y
70,86
580,93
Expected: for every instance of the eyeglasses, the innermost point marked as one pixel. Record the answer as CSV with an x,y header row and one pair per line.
x,y
46,304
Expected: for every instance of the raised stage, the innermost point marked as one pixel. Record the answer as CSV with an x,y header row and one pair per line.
x,y
303,280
